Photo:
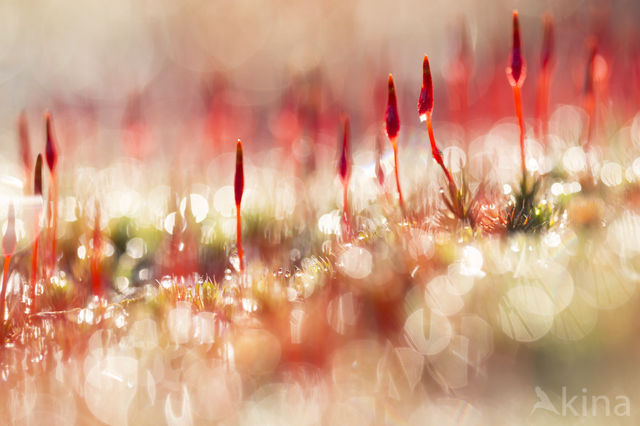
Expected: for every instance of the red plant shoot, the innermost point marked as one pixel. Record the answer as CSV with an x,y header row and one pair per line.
x,y
25,144
516,74
344,170
95,267
459,71
52,160
546,59
589,90
37,191
379,169
392,122
239,190
176,254
9,244
190,249
425,110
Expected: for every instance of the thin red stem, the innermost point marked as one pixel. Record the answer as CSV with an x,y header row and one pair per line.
x,y
518,102
345,208
591,114
239,237
96,270
34,265
394,143
436,153
96,275
54,221
3,293
543,104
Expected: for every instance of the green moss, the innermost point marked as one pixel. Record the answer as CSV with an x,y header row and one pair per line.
x,y
526,213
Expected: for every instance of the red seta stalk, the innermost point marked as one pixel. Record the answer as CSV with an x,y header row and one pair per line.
x,y
425,110
176,264
516,74
37,191
25,145
379,169
52,160
589,89
518,103
460,71
239,190
3,295
9,244
95,266
544,81
392,122
344,171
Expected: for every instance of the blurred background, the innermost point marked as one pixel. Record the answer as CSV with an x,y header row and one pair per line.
x,y
140,77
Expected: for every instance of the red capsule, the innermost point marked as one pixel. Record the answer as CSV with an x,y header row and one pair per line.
x,y
37,176
392,120
516,70
344,164
50,152
239,177
425,102
546,53
9,241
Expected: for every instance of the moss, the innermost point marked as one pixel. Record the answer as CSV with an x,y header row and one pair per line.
x,y
527,213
